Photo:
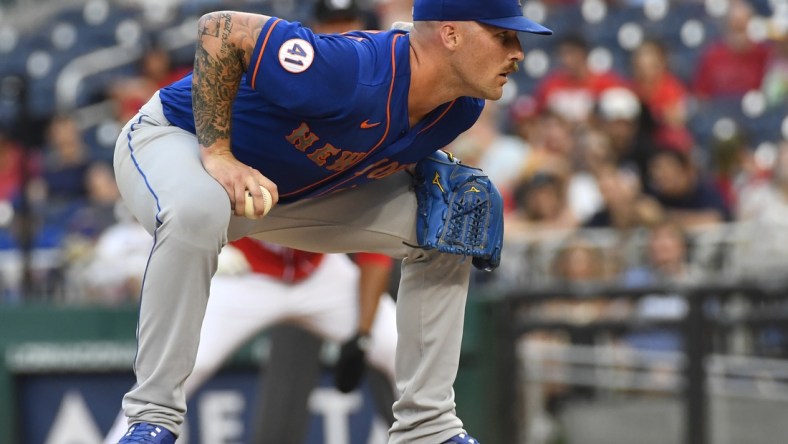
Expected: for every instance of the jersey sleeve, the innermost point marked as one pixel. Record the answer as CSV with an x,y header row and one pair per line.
x,y
310,74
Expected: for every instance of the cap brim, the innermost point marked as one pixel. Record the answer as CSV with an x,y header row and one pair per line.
x,y
518,23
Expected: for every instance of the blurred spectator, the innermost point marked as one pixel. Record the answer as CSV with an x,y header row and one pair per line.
x,y
62,189
764,207
662,93
65,160
732,165
13,168
155,71
98,211
734,64
666,259
555,147
767,201
580,261
485,146
658,88
625,205
630,128
571,90
687,197
523,117
67,216
596,151
109,273
75,230
666,262
540,204
552,141
775,81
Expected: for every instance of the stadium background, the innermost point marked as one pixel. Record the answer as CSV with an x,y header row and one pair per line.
x,y
662,319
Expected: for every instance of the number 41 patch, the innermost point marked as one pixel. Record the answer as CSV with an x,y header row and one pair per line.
x,y
296,55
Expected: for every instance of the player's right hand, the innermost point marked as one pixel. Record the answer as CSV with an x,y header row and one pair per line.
x,y
237,178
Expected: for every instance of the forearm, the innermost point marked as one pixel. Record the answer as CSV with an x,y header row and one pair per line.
x,y
373,282
225,44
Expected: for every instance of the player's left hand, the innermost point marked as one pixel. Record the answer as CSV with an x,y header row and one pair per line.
x,y
351,365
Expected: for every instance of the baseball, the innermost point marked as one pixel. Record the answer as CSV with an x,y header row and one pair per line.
x,y
249,204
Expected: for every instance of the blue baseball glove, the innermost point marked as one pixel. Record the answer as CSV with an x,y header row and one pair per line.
x,y
459,210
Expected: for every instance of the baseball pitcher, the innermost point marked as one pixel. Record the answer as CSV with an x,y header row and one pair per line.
x,y
333,126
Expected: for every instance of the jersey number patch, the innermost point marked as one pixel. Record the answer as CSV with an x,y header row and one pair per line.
x,y
296,55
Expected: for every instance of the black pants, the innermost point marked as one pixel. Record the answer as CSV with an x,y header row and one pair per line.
x,y
293,372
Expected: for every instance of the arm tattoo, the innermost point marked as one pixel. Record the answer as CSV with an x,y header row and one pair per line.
x,y
224,48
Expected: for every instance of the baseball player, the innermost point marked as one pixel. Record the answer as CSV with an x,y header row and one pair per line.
x,y
331,126
259,285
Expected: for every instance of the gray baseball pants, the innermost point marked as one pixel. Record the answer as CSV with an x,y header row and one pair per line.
x,y
164,184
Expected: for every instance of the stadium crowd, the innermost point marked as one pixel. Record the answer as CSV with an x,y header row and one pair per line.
x,y
624,132
645,143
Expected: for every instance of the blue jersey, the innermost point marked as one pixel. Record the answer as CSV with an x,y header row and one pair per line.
x,y
320,113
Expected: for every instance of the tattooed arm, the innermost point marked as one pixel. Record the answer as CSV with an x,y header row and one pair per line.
x,y
225,44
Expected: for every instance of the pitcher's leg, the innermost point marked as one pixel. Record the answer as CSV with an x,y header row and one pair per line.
x,y
381,217
165,186
430,318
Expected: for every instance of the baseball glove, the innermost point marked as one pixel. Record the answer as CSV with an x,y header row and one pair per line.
x,y
459,210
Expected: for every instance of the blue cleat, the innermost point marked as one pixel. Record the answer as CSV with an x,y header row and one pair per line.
x,y
462,438
146,433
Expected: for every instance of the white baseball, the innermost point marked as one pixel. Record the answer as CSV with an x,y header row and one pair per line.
x,y
249,204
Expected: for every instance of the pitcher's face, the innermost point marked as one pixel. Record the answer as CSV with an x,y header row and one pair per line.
x,y
487,56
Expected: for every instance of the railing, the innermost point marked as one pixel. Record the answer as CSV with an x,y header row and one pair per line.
x,y
734,251
712,361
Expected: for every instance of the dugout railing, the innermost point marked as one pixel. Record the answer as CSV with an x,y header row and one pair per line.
x,y
721,355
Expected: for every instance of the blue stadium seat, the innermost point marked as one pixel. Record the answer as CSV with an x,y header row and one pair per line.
x,y
7,240
562,20
49,236
768,126
762,128
708,113
683,62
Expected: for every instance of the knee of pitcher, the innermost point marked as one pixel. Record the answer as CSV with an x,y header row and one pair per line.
x,y
199,224
439,259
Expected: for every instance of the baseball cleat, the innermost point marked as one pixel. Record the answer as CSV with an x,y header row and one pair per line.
x,y
462,438
146,433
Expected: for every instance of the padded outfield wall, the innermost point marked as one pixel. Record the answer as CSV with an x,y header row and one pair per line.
x,y
65,369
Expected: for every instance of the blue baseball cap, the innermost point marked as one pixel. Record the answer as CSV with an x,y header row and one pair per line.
x,y
506,14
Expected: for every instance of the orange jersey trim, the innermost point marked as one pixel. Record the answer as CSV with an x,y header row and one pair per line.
x,y
262,50
439,117
382,139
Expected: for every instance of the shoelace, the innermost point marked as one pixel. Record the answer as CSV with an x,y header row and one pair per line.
x,y
471,234
143,433
465,439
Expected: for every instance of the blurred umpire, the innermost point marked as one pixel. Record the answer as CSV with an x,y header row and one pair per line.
x,y
294,364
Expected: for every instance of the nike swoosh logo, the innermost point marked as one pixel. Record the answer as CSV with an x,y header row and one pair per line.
x,y
366,125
